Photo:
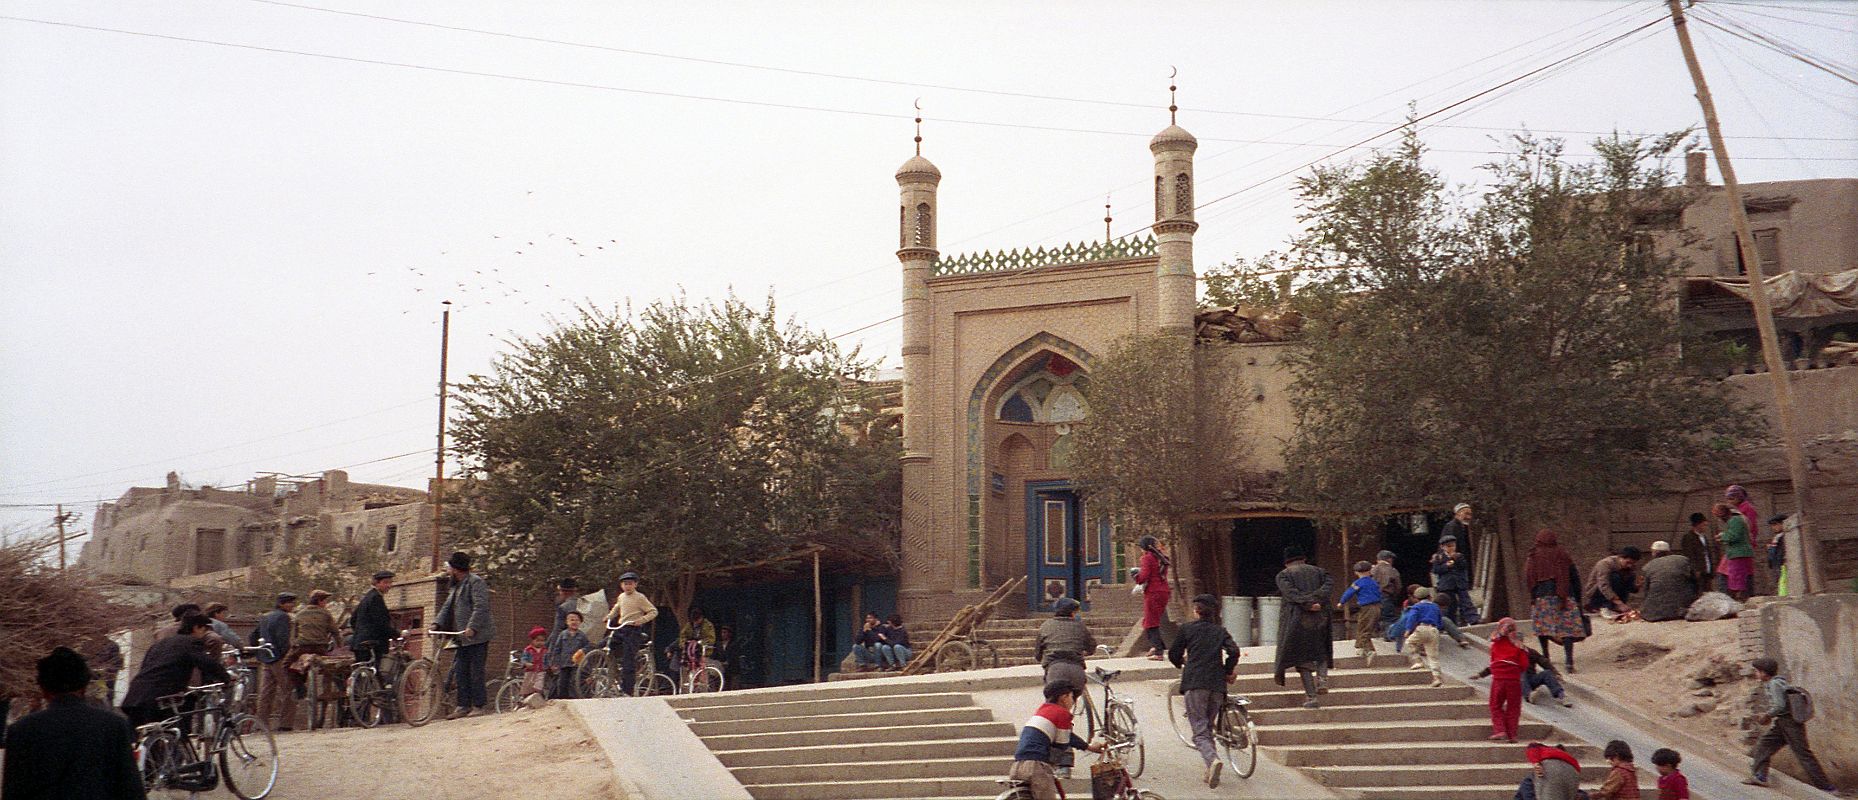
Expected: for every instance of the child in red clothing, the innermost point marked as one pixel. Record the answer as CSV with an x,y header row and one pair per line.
x,y
1507,661
535,661
1622,781
1672,785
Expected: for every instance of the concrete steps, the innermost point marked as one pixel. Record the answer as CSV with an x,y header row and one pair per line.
x,y
1427,775
1383,754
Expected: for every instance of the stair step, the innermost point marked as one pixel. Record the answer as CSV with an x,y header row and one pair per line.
x,y
1370,732
996,747
1332,714
1427,775
953,730
820,722
1489,792
1322,754
785,694
834,705
991,765
1357,697
915,789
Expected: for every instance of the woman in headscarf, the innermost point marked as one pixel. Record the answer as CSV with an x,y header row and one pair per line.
x,y
1507,661
1554,610
1152,574
1555,773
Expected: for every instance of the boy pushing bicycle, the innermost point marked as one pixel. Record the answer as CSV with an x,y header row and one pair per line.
x,y
1045,735
1198,652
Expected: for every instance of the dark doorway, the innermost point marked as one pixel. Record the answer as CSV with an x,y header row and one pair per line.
x,y
1258,551
1413,542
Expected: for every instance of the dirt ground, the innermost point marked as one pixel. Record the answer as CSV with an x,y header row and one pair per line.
x,y
525,753
1655,667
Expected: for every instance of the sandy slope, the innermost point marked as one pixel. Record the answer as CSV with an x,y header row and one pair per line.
x,y
541,753
1649,666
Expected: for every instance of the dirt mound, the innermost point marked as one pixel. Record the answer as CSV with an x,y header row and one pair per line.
x,y
1632,654
1692,671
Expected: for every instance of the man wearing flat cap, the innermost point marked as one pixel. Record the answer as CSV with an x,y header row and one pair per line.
x,y
1451,568
1303,628
71,749
467,609
374,627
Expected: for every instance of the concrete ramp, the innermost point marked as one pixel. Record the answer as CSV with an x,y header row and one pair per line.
x,y
655,755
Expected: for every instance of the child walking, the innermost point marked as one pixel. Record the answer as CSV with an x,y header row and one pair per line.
x,y
1622,781
1366,592
564,655
1507,661
1421,623
1672,785
1208,659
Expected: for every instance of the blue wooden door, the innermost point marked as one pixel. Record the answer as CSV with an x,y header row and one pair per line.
x,y
1067,555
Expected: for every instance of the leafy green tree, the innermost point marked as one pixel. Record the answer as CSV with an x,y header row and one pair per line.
x,y
1518,351
672,441
1158,446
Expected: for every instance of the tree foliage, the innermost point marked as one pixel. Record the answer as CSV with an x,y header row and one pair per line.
x,y
1158,447
1518,351
673,440
42,607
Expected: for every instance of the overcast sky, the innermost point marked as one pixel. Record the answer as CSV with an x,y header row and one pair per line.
x,y
223,260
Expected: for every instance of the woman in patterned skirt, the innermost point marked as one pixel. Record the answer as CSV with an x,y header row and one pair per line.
x,y
1554,610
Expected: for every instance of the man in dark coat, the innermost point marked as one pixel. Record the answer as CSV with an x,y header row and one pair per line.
x,y
1303,629
168,666
277,698
374,627
72,750
1670,585
1451,569
567,598
467,609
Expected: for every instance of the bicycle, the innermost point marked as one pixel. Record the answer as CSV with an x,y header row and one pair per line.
x,y
597,677
372,695
1122,783
244,689
172,758
966,651
506,693
705,678
1235,734
422,689
1116,725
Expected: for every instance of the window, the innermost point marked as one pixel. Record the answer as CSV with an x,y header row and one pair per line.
x,y
903,227
1767,248
1183,196
348,535
209,550
1055,522
1158,206
925,226
270,544
393,538
1050,392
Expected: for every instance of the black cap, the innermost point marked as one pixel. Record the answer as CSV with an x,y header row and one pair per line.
x,y
1293,553
1384,555
630,576
383,575
567,583
63,671
1448,538
1064,607
459,561
285,597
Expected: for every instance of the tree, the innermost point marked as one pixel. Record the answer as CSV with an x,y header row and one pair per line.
x,y
672,441
42,607
1518,352
1157,447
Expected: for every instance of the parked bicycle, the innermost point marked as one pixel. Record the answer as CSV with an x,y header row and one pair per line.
x,y
703,678
966,651
244,671
202,744
372,695
506,692
424,686
1114,722
1235,734
598,675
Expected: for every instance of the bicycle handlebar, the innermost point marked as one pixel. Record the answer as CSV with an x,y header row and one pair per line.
x,y
437,632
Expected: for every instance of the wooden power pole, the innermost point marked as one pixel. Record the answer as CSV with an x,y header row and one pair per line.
x,y
438,484
1809,576
61,537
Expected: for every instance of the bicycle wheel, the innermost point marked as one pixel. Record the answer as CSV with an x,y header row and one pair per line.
x,y
313,692
954,657
1234,734
986,656
1177,716
594,676
1091,721
157,755
419,692
363,687
492,688
656,683
1120,729
508,697
709,679
248,762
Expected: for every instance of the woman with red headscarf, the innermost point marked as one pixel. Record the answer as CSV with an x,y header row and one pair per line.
x,y
1555,774
1152,574
1554,610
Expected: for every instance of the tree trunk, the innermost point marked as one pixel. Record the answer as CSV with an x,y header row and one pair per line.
x,y
682,593
1509,597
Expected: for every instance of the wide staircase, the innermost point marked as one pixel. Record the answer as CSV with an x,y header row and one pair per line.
x,y
1386,734
860,740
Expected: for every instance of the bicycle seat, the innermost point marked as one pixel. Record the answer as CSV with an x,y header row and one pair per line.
x,y
1106,675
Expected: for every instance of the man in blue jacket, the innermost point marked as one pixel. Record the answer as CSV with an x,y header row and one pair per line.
x,y
277,699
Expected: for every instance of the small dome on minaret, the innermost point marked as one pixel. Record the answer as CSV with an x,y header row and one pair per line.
x,y
917,165
1173,137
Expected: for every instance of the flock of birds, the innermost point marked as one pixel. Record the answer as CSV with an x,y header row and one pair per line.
x,y
487,285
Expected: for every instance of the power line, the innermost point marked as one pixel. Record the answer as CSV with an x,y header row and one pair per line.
x,y
1801,56
1777,6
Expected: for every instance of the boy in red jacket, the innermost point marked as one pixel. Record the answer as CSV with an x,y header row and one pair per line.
x,y
1507,662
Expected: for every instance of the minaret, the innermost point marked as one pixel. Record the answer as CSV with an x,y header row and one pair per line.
x,y
916,223
1174,224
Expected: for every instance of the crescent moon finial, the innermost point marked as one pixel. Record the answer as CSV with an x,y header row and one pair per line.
x,y
1173,71
919,126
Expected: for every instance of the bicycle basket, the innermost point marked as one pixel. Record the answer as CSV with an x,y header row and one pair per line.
x,y
1106,780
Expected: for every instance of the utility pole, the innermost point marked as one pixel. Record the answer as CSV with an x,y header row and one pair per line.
x,y
438,484
1764,313
61,519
